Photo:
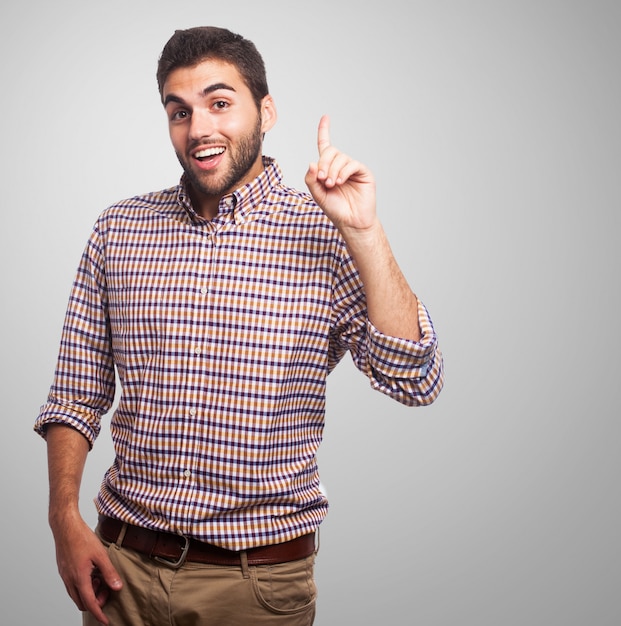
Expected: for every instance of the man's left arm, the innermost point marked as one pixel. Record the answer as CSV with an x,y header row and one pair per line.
x,y
345,190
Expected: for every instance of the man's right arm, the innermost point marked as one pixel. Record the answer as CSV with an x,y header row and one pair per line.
x,y
82,560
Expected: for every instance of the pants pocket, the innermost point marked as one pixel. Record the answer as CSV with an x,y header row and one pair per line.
x,y
286,588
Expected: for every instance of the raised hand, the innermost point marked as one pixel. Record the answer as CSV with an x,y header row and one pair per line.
x,y
345,191
343,187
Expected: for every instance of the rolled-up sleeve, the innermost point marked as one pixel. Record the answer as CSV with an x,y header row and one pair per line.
x,y
411,372
84,381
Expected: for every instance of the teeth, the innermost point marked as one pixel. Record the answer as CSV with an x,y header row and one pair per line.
x,y
208,152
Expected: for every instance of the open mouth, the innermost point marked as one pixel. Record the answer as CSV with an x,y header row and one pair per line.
x,y
208,153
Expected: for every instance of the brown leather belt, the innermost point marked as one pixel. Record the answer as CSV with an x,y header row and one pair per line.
x,y
174,550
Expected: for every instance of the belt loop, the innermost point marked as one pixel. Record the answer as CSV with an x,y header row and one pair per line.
x,y
119,540
243,556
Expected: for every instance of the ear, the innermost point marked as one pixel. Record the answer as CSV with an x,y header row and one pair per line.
x,y
268,113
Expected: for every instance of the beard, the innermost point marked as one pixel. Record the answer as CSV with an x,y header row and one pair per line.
x,y
242,158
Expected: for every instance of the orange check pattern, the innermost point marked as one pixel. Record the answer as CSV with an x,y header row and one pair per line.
x,y
222,334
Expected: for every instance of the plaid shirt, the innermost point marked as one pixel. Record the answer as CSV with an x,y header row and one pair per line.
x,y
222,333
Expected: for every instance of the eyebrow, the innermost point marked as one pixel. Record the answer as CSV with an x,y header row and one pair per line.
x,y
209,89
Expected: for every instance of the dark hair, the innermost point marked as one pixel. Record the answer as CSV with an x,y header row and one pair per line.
x,y
188,48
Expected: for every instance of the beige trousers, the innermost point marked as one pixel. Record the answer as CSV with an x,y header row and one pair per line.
x,y
155,594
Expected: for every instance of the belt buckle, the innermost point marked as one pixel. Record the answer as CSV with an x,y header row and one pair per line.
x,y
181,560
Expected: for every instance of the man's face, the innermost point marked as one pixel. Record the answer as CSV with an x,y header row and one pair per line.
x,y
216,129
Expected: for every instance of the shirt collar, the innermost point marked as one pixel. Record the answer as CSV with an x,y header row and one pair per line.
x,y
243,203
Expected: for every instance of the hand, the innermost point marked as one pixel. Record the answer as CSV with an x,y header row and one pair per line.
x,y
341,186
85,568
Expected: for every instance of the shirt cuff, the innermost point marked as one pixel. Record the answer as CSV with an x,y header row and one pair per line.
x,y
403,358
57,413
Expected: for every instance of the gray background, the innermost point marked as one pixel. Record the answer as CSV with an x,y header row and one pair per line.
x,y
494,131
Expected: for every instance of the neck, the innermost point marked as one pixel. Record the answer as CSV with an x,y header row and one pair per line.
x,y
205,206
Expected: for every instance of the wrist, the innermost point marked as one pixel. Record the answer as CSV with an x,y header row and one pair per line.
x,y
364,235
364,240
61,517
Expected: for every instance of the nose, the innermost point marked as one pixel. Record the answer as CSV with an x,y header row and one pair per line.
x,y
201,124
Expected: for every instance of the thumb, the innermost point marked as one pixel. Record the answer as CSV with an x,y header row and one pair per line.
x,y
111,576
105,575
315,186
104,583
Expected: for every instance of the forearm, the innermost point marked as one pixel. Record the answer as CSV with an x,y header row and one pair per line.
x,y
79,553
391,305
66,452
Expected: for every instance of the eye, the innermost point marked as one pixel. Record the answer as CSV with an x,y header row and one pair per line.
x,y
220,105
179,115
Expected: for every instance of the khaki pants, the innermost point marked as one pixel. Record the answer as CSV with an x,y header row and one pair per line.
x,y
155,594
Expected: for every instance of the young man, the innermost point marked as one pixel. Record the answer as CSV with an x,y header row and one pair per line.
x,y
223,303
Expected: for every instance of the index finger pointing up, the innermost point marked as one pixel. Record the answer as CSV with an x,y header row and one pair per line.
x,y
323,134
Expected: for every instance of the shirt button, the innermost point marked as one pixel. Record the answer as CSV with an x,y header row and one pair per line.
x,y
204,290
192,412
197,351
187,473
